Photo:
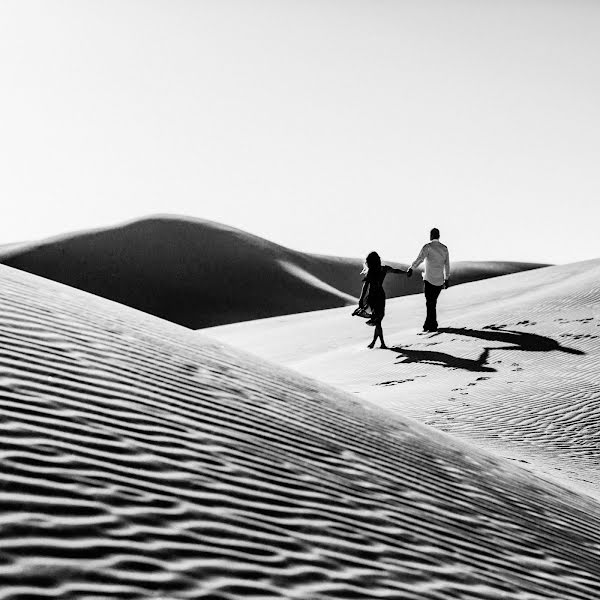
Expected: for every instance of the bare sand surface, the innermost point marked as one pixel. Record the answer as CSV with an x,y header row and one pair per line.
x,y
514,369
142,460
199,273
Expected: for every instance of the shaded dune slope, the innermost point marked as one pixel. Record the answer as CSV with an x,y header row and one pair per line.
x,y
141,460
199,273
515,367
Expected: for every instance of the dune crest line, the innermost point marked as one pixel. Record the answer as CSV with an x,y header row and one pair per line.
x,y
180,269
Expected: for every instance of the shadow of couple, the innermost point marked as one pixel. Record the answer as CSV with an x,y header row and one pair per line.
x,y
518,340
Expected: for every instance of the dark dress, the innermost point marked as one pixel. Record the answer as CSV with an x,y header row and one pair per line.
x,y
376,296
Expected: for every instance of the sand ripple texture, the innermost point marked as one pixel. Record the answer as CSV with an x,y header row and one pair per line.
x,y
140,460
515,368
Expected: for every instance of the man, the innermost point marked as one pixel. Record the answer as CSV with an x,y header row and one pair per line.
x,y
436,275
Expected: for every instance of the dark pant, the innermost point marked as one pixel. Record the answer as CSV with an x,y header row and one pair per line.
x,y
431,296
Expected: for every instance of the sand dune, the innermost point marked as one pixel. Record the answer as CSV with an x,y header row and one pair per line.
x,y
515,369
141,460
198,273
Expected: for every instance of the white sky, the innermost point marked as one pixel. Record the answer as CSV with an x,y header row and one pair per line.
x,y
331,126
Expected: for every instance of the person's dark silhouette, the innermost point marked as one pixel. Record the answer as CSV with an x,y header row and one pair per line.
x,y
520,340
373,294
436,275
445,360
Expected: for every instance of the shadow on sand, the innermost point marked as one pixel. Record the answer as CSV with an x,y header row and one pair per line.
x,y
519,340
445,360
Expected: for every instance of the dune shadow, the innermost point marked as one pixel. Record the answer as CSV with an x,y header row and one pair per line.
x,y
519,340
443,359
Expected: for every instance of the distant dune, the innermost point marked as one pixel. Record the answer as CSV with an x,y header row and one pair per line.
x,y
142,460
198,273
515,368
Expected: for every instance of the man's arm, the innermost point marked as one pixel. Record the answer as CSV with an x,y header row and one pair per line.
x,y
422,256
447,270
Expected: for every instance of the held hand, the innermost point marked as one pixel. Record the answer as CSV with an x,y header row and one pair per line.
x,y
446,284
409,273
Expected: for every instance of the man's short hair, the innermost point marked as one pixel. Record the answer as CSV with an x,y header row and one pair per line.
x,y
434,234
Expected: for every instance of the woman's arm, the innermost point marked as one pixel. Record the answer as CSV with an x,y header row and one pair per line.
x,y
397,271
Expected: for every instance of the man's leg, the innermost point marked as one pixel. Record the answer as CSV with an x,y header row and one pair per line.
x,y
431,296
426,287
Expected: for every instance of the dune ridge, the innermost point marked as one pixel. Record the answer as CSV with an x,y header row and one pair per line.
x,y
141,460
515,368
200,273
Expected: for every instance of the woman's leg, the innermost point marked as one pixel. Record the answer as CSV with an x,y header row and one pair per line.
x,y
372,344
375,335
379,333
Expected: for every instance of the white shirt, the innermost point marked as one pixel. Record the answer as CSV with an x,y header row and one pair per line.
x,y
437,262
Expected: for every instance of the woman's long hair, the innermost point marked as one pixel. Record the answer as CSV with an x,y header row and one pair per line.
x,y
372,263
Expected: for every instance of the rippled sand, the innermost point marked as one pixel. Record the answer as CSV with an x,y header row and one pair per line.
x,y
141,460
515,368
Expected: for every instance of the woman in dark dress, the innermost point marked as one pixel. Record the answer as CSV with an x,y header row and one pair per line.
x,y
373,294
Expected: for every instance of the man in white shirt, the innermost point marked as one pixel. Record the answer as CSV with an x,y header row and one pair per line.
x,y
436,275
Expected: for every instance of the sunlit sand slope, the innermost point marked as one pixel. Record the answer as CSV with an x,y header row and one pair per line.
x,y
199,273
516,367
140,460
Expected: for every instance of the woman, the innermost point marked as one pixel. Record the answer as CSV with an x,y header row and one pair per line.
x,y
373,294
